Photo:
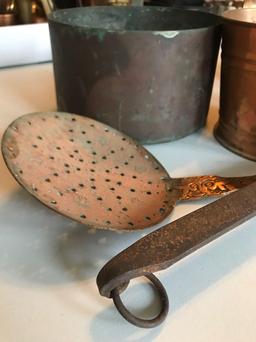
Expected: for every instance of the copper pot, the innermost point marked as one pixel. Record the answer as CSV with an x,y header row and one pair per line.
x,y
147,71
236,128
7,12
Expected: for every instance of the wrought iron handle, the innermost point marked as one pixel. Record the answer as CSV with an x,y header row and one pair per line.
x,y
165,246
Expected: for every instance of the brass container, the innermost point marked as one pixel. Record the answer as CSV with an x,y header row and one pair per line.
x,y
236,128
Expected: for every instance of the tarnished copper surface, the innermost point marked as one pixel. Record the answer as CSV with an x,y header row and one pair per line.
x,y
236,128
165,246
147,71
96,175
7,19
87,171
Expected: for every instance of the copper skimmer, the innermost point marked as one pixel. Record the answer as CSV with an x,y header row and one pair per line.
x,y
96,175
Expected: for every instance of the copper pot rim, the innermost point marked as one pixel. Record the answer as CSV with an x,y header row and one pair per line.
x,y
64,17
241,16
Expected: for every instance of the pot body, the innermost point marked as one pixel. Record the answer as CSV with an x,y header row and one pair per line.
x,y
146,71
236,128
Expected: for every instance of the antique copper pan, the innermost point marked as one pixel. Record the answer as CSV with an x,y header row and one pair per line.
x,y
96,175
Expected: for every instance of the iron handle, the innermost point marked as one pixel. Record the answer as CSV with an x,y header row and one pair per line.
x,y
165,246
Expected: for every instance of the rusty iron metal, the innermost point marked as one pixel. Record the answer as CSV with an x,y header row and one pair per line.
x,y
167,245
96,175
146,71
140,322
79,167
236,128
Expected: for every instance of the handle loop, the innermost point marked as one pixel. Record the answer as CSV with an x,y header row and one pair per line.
x,y
139,322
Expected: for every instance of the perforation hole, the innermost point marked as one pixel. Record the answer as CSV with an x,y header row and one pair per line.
x,y
48,180
124,209
15,128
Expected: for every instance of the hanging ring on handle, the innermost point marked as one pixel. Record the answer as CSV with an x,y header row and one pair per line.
x,y
140,322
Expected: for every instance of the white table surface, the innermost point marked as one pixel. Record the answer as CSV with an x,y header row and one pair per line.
x,y
48,264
